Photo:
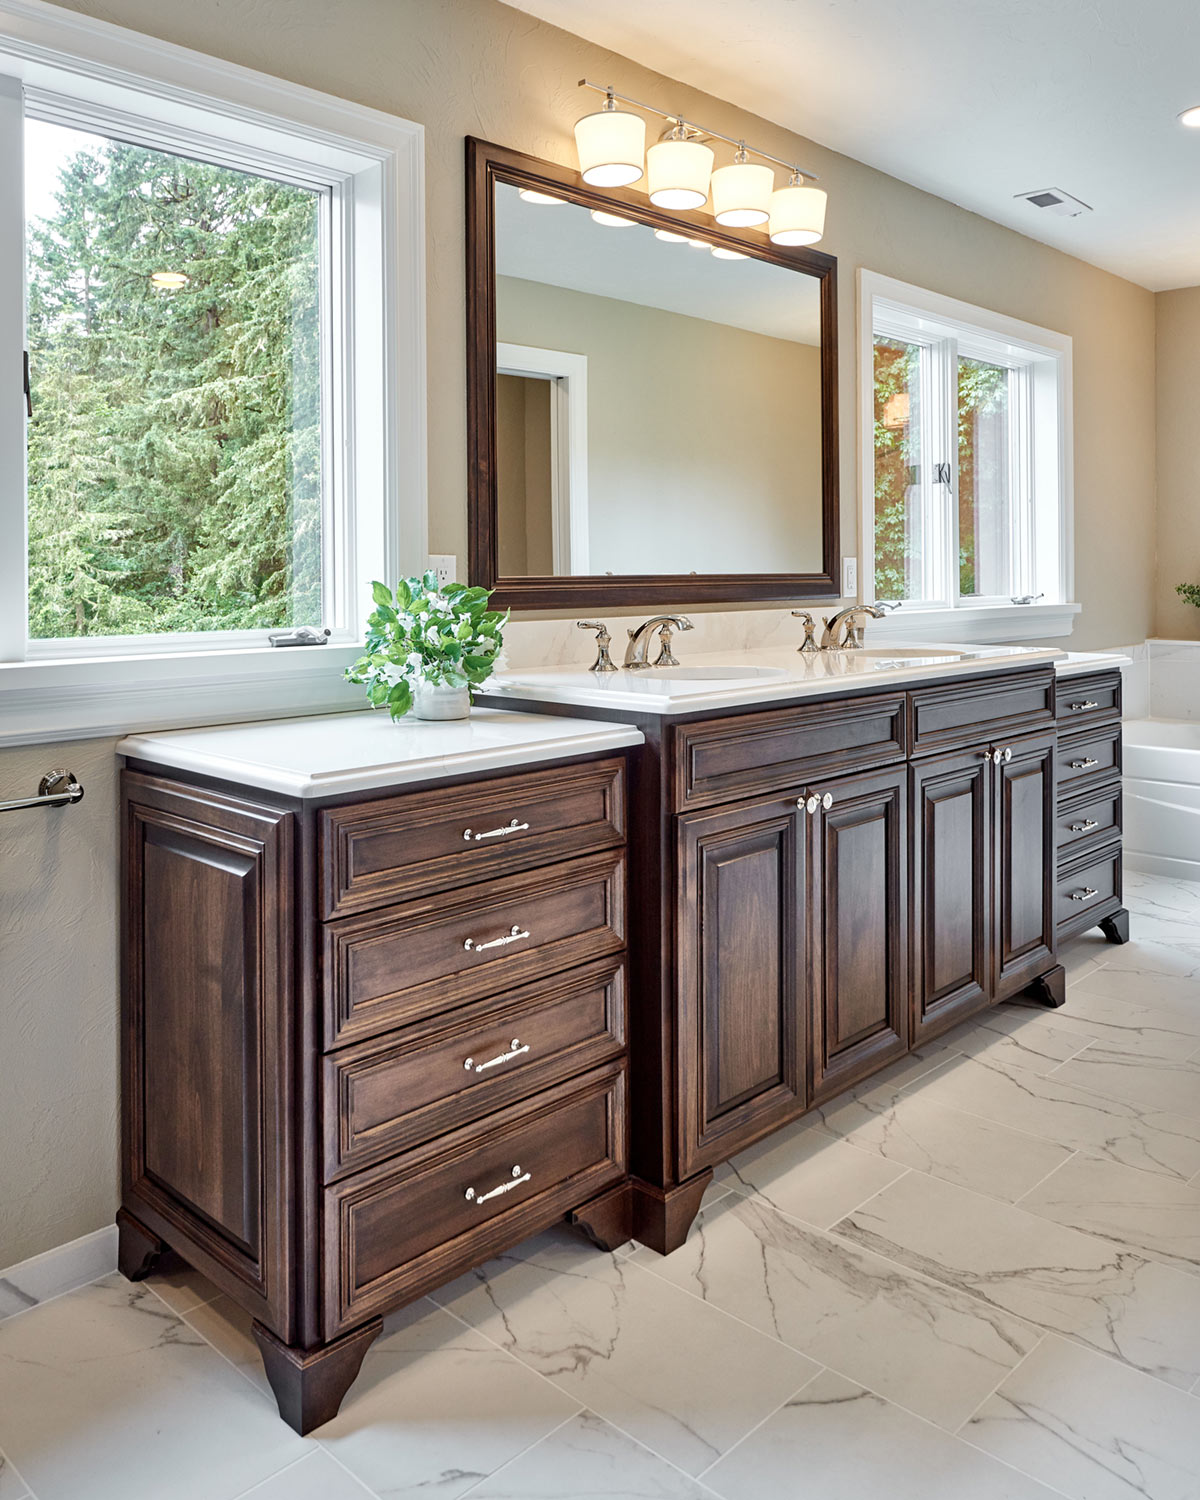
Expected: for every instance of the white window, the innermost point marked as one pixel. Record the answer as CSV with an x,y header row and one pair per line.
x,y
217,282
966,454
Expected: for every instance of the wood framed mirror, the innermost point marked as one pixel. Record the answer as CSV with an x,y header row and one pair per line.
x,y
651,404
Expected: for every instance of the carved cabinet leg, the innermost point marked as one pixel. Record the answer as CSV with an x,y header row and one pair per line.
x,y
309,1384
607,1220
1050,988
1116,927
663,1216
137,1248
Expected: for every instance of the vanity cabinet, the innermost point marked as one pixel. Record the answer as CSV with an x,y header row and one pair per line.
x,y
1088,820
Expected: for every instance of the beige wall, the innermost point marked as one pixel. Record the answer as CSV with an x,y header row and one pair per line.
x,y
1178,462
475,67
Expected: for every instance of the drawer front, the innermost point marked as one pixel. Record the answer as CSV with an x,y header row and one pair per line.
x,y
1087,700
426,957
385,1096
966,715
376,853
1085,759
1093,818
717,760
1088,889
401,1229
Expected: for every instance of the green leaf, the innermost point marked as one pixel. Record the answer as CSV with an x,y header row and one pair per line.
x,y
380,592
403,594
399,700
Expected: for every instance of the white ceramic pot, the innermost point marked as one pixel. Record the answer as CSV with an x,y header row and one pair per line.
x,y
441,702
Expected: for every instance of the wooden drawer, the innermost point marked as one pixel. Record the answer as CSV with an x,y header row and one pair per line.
x,y
717,760
400,1229
966,715
1091,818
1086,759
376,853
1088,889
1091,699
384,1096
388,968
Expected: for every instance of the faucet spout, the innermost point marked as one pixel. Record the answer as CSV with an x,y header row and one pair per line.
x,y
850,622
639,641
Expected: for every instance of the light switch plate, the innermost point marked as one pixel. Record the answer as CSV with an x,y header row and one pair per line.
x,y
445,565
849,577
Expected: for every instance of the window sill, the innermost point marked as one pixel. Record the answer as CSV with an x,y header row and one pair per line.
x,y
992,624
89,698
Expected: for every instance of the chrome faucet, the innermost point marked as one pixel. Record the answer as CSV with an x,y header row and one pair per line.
x,y
603,662
850,621
809,643
639,641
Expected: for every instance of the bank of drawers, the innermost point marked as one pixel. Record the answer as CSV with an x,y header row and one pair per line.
x,y
1088,812
473,977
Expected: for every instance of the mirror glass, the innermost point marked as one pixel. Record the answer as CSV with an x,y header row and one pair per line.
x,y
658,409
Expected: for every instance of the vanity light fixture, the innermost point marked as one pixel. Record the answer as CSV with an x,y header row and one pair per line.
x,y
531,195
797,213
699,244
721,253
612,221
1191,117
741,192
679,168
611,144
670,236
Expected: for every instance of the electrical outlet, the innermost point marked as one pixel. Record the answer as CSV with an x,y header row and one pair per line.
x,y
849,577
444,564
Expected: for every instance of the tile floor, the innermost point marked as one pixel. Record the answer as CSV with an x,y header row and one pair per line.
x,y
976,1278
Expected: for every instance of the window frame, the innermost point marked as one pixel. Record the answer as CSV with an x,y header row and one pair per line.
x,y
1040,453
83,72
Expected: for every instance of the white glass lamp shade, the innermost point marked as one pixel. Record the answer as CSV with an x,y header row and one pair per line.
x,y
797,215
670,236
531,195
722,253
679,173
612,147
741,194
612,221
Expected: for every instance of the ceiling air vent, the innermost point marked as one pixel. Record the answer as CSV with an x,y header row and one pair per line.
x,y
1055,201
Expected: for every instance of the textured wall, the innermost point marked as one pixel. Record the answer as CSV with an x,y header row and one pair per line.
x,y
1178,461
476,67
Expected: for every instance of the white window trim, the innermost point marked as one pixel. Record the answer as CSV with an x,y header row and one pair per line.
x,y
117,684
990,620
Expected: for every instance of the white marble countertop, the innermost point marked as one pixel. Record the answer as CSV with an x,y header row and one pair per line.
x,y
714,680
354,752
1076,663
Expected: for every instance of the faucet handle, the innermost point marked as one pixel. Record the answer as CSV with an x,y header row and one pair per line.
x,y
603,662
666,657
809,643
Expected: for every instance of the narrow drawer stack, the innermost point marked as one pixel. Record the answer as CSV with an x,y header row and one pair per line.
x,y
1088,819
473,1014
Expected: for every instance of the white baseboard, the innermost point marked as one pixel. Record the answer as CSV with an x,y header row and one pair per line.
x,y
57,1271
1162,864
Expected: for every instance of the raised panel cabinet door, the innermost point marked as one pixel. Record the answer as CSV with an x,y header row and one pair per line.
x,y
740,962
1024,944
859,971
951,889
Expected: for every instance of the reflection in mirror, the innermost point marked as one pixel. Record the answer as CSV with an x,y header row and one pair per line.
x,y
658,409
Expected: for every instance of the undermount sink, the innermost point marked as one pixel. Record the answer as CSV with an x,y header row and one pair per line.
x,y
710,674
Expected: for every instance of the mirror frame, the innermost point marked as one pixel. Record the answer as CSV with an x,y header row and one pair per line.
x,y
488,164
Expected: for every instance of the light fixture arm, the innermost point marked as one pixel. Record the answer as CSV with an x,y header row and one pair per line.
x,y
676,119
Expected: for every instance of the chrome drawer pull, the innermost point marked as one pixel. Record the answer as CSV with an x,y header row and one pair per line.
x,y
1084,895
518,1177
515,1049
1085,827
495,833
1078,708
513,936
1084,765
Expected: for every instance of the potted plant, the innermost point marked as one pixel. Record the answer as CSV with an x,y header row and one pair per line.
x,y
427,646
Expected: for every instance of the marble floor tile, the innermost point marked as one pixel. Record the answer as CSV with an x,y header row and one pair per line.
x,y
1162,893
44,1277
836,1441
1165,976
1111,1024
1137,1135
1171,1084
12,1486
226,1326
809,1173
316,1477
438,1407
179,1285
104,1391
1057,1278
1039,1048
684,1379
588,1459
1083,954
1092,1429
919,1343
1155,1216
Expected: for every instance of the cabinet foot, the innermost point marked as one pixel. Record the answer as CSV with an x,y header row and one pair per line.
x,y
1049,989
607,1220
309,1384
138,1249
663,1216
1116,927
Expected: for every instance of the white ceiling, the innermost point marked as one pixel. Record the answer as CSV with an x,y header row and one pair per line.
x,y
975,100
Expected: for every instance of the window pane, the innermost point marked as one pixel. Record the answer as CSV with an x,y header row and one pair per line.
x,y
985,499
898,571
175,443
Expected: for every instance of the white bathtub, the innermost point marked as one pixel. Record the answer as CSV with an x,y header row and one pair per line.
x,y
1162,796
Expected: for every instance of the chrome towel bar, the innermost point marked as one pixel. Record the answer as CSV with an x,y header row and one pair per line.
x,y
57,788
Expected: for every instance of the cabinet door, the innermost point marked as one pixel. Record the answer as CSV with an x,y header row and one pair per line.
x,y
952,889
740,958
859,911
1024,863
